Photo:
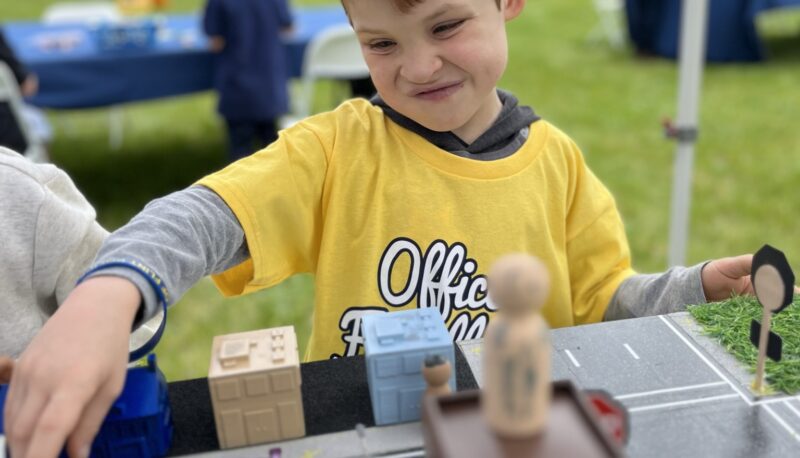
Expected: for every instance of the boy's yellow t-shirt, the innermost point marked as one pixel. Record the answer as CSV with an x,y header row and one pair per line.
x,y
387,221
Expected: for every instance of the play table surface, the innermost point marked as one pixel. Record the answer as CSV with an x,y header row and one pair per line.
x,y
685,396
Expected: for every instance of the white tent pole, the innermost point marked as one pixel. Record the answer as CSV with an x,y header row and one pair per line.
x,y
694,20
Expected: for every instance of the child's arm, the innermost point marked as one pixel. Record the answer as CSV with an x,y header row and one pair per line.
x,y
214,25
181,238
725,276
64,383
75,367
670,291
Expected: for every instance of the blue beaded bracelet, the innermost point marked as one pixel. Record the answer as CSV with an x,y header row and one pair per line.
x,y
161,292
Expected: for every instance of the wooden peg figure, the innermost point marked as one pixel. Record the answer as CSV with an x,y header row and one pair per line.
x,y
436,372
516,348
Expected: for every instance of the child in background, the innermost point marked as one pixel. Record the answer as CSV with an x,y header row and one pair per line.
x,y
50,237
250,74
397,202
11,133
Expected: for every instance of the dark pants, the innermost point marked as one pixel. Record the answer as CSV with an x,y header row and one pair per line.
x,y
10,132
247,137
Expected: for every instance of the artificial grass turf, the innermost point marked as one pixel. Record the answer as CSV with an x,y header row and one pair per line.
x,y
729,322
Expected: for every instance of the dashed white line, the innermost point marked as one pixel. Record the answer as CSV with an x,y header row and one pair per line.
x,y
705,360
782,423
572,358
630,350
669,390
680,403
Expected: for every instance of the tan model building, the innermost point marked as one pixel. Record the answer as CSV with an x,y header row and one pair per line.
x,y
254,381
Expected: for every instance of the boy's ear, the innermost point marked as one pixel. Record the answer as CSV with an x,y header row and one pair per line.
x,y
512,8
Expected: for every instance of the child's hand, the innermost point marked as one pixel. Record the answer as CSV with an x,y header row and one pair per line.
x,y
70,374
6,366
725,276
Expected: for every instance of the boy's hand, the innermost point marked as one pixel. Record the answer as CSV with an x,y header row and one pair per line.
x,y
68,377
6,366
725,276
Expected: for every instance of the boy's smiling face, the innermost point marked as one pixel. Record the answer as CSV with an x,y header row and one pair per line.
x,y
439,62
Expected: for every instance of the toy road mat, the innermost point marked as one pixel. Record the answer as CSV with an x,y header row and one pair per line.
x,y
686,396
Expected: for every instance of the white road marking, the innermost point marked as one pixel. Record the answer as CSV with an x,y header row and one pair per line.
x,y
669,390
783,423
705,360
572,358
792,408
771,400
630,350
680,403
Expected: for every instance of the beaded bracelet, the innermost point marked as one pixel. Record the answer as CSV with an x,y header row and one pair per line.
x,y
159,288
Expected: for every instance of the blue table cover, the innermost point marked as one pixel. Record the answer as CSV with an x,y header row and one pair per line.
x,y
654,27
74,73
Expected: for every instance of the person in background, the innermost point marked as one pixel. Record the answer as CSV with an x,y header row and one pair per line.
x,y
11,135
250,75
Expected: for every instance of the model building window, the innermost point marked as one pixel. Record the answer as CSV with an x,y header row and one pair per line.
x,y
388,367
282,381
257,385
228,389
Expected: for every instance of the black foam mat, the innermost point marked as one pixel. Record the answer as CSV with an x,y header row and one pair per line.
x,y
335,398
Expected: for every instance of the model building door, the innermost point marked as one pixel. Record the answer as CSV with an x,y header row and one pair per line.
x,y
262,426
291,416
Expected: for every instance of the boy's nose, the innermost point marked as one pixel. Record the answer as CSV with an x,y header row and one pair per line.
x,y
420,67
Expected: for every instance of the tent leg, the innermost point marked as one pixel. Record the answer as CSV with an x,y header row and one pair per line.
x,y
694,23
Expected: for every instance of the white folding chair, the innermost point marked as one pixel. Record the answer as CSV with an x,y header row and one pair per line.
x,y
334,53
9,93
91,13
81,13
611,23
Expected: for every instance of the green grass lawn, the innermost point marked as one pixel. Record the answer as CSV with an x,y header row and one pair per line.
x,y
747,161
729,323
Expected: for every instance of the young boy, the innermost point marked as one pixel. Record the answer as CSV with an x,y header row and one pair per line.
x,y
399,202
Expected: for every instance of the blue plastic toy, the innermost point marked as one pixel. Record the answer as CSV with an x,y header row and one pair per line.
x,y
139,423
396,344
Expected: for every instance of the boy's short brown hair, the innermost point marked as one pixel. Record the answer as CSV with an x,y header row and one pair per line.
x,y
405,5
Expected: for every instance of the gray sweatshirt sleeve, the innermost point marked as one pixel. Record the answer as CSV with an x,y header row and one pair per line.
x,y
182,238
657,294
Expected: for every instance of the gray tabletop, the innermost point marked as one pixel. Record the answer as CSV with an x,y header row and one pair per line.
x,y
685,396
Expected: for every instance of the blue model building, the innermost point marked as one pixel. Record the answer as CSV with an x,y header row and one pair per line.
x,y
139,423
396,345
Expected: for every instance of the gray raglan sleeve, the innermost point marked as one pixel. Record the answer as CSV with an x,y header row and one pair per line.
x,y
656,294
182,238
